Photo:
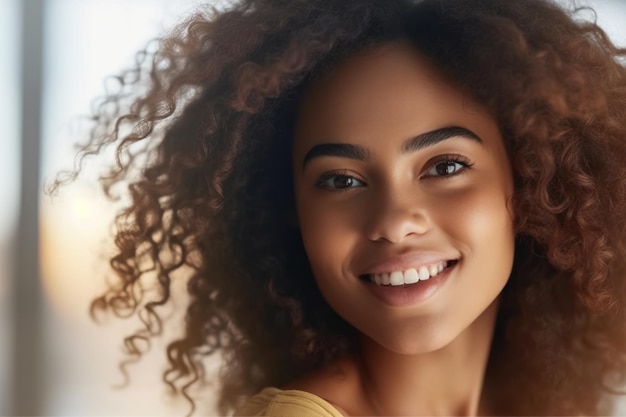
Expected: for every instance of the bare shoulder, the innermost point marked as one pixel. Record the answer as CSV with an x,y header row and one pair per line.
x,y
338,383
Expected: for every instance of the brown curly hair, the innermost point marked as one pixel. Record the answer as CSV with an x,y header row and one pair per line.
x,y
205,154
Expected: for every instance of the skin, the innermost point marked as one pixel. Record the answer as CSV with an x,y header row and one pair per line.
x,y
427,357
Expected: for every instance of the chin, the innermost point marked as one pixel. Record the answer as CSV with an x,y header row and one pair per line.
x,y
437,335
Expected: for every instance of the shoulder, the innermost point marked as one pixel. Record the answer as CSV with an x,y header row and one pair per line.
x,y
338,383
274,402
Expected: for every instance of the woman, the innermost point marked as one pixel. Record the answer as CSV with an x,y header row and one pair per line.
x,y
380,208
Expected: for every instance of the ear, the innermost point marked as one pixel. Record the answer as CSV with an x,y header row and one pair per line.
x,y
511,210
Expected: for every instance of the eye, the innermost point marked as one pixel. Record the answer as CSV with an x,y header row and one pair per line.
x,y
447,166
338,181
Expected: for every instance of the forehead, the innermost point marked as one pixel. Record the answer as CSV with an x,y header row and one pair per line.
x,y
388,89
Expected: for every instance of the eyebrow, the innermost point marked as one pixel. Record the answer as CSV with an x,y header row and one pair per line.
x,y
414,144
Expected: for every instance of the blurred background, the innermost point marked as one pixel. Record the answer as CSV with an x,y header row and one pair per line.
x,y
54,57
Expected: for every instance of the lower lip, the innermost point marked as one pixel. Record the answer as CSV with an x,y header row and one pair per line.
x,y
411,294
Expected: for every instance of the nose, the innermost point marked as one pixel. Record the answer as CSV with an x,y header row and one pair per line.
x,y
395,218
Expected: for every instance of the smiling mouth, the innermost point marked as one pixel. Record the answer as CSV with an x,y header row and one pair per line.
x,y
409,276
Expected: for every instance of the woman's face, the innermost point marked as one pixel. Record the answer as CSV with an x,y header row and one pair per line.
x,y
400,177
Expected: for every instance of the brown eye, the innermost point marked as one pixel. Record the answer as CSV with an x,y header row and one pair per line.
x,y
338,182
342,182
447,166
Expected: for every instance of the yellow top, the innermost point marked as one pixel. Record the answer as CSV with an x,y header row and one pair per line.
x,y
273,402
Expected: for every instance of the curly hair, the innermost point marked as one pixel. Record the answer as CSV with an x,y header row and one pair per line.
x,y
205,154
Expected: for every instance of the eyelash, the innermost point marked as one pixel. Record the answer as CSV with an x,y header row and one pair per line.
x,y
336,174
449,159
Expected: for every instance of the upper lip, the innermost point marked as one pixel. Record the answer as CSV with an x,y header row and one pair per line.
x,y
406,261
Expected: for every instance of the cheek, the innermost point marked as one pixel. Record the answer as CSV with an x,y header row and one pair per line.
x,y
328,235
479,219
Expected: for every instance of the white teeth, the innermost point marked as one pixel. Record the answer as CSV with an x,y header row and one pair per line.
x,y
410,276
434,270
396,278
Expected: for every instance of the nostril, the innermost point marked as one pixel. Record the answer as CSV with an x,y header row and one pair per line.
x,y
396,224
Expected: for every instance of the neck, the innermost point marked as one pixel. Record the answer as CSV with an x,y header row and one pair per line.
x,y
447,381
